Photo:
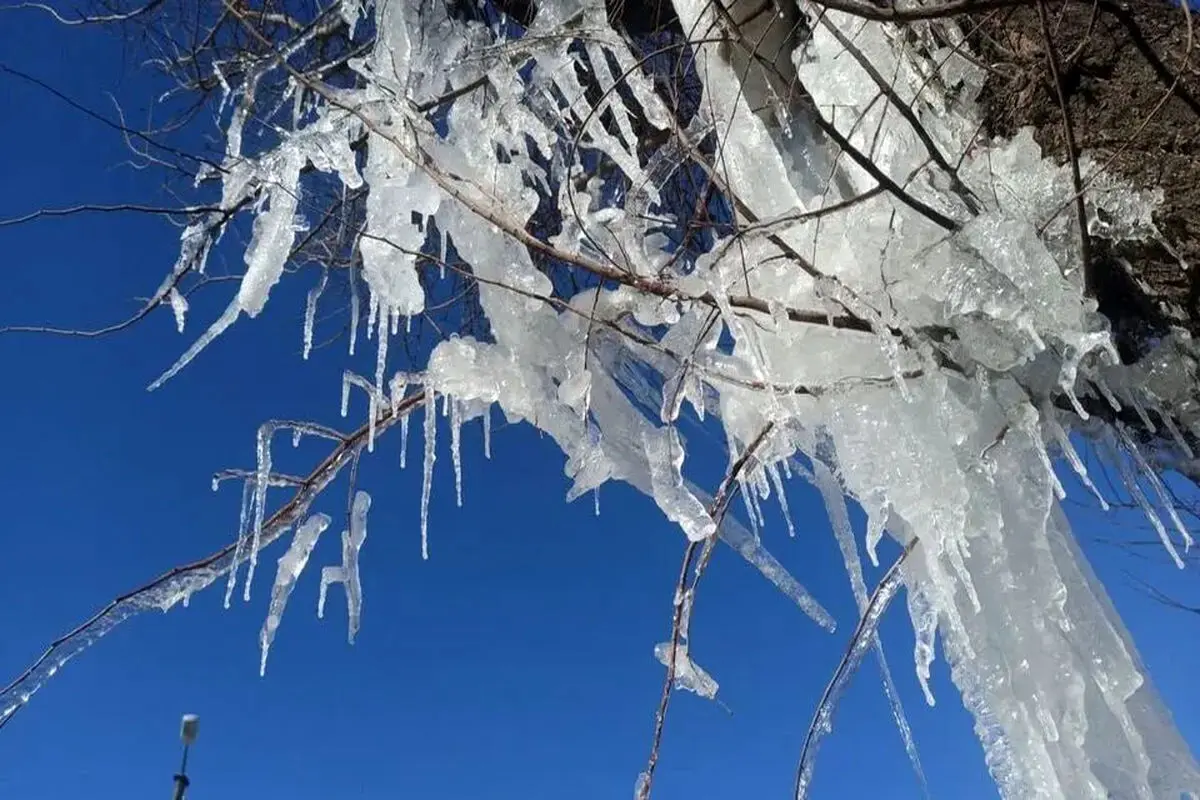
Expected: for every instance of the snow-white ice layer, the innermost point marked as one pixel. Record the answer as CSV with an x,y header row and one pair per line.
x,y
934,335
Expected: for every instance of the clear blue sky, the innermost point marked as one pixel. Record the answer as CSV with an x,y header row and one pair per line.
x,y
516,663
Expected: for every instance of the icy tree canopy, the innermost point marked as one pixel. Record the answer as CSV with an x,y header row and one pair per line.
x,y
892,308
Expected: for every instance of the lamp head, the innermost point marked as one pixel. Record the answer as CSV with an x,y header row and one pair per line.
x,y
189,728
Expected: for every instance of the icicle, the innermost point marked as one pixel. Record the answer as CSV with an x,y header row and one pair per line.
x,y
455,449
345,394
297,432
674,390
347,574
265,433
755,502
355,311
380,367
596,500
404,441
750,547
243,532
664,456
1164,496
430,457
372,413
1064,443
1140,409
752,510
372,314
839,518
1028,419
1111,398
1069,391
291,564
487,433
310,312
1177,436
773,472
396,389
1135,490
876,524
216,329
1169,424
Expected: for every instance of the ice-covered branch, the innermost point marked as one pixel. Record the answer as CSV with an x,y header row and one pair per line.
x,y
872,614
180,583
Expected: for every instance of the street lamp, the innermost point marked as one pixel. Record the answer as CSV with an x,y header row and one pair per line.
x,y
188,730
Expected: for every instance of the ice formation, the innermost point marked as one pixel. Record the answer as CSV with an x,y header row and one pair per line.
x,y
920,334
347,573
291,564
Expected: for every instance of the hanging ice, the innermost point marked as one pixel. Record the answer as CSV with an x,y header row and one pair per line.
x,y
687,674
665,454
266,254
347,574
291,564
430,412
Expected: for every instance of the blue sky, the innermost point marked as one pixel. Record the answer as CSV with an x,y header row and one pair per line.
x,y
516,663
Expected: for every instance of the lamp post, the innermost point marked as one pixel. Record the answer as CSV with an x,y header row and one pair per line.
x,y
188,729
